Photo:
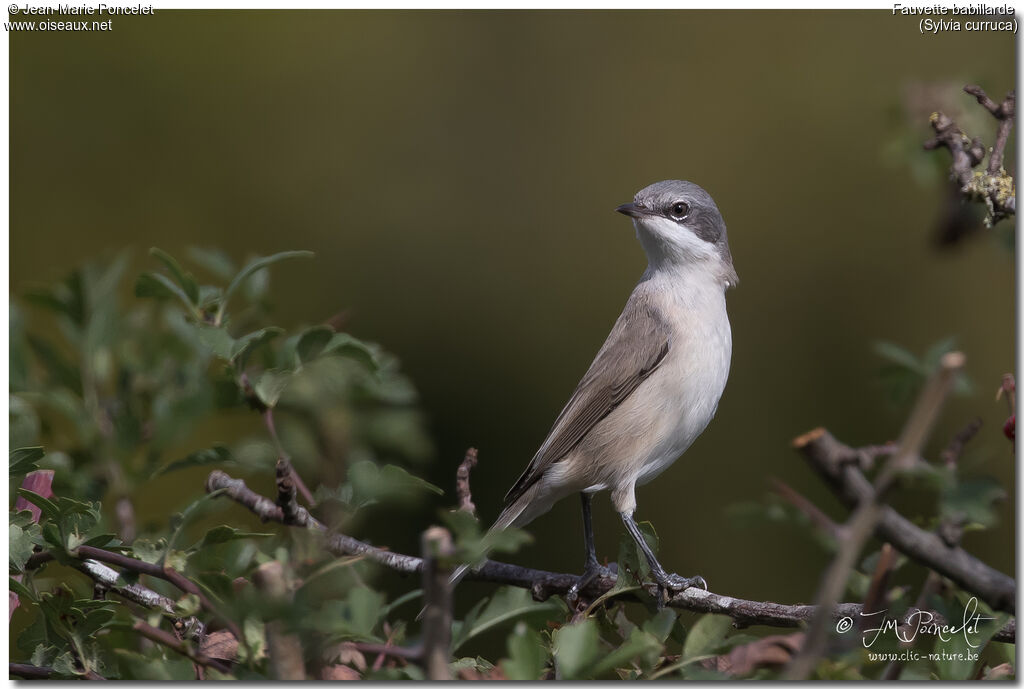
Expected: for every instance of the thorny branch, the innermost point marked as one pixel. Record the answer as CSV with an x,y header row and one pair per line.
x,y
994,186
868,510
541,583
836,463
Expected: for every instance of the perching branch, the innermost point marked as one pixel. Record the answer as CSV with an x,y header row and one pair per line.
x,y
544,584
994,187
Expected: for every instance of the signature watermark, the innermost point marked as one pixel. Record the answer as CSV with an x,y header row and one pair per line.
x,y
916,623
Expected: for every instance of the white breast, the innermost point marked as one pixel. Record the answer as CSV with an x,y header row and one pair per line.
x,y
685,391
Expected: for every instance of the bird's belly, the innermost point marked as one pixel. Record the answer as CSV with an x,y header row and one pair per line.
x,y
668,412
688,407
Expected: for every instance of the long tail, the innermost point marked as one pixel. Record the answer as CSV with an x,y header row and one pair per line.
x,y
506,519
513,514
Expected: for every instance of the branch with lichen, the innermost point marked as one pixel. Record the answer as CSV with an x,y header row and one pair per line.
x,y
991,185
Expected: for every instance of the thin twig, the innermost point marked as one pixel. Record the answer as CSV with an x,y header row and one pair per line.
x,y
544,584
994,187
879,585
832,460
284,649
951,455
168,574
404,652
808,508
284,478
172,642
284,459
125,511
25,671
1008,388
1004,112
462,482
865,517
437,594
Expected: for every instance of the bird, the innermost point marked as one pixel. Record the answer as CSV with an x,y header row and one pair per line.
x,y
654,385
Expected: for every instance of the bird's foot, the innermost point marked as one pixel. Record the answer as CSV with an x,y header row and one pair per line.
x,y
670,583
592,571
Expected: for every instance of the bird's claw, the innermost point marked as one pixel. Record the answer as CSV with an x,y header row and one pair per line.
x,y
669,583
592,571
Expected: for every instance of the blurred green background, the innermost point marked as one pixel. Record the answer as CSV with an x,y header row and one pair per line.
x,y
455,172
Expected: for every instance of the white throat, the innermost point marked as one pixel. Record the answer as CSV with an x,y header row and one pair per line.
x,y
674,250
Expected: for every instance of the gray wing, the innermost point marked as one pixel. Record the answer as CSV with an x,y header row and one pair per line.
x,y
636,346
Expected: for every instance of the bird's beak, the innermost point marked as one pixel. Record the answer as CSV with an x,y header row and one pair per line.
x,y
632,210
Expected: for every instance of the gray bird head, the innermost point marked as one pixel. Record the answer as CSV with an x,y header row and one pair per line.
x,y
679,225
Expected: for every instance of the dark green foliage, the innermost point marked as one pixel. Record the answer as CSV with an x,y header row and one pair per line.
x,y
903,374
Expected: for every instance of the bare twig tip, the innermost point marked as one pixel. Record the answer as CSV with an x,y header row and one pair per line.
x,y
808,437
953,361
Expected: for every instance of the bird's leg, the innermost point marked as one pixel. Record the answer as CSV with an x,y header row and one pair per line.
x,y
665,581
591,569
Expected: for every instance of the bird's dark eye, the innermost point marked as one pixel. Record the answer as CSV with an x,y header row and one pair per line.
x,y
679,210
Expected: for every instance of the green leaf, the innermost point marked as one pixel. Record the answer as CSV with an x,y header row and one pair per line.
x,y
343,344
507,604
212,455
149,551
660,626
24,460
183,277
19,547
371,483
157,667
224,534
638,644
356,617
473,543
251,268
312,343
58,368
898,355
576,647
214,260
970,640
20,590
269,385
159,286
246,344
972,501
102,540
48,507
706,635
633,568
217,340
527,655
